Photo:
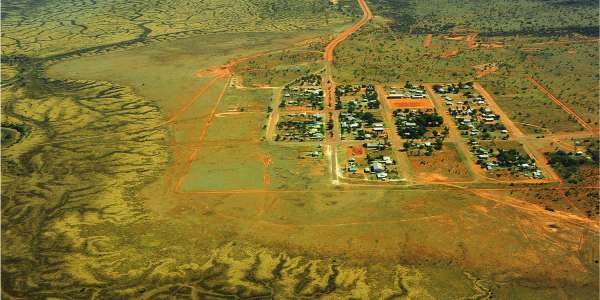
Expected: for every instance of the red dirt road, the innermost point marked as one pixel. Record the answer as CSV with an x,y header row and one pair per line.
x,y
367,15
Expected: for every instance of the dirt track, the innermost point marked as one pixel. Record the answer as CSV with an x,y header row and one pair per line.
x,y
332,140
562,105
273,117
367,15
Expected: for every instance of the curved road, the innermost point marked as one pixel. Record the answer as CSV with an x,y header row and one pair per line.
x,y
367,15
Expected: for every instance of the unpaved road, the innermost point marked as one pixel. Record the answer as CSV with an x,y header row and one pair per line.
x,y
367,15
274,116
333,140
562,105
401,157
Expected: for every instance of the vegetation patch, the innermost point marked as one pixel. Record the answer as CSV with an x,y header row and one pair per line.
x,y
572,166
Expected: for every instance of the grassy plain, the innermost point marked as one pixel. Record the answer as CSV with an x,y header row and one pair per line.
x,y
280,68
570,70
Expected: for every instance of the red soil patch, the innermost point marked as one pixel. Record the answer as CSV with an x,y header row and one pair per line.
x,y
454,37
471,40
427,40
267,179
410,103
449,54
485,69
217,71
357,150
494,45
267,160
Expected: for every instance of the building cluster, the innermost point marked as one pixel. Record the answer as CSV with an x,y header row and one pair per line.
x,y
361,126
422,130
302,97
510,160
356,97
479,125
420,127
372,160
409,91
300,127
378,167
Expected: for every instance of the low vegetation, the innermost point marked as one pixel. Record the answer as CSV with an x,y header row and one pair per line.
x,y
570,164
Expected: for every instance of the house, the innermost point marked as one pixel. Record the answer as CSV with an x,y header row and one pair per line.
x,y
388,160
372,146
397,96
377,167
378,129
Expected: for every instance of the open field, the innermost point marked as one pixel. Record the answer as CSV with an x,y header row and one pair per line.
x,y
280,68
571,73
144,163
444,165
